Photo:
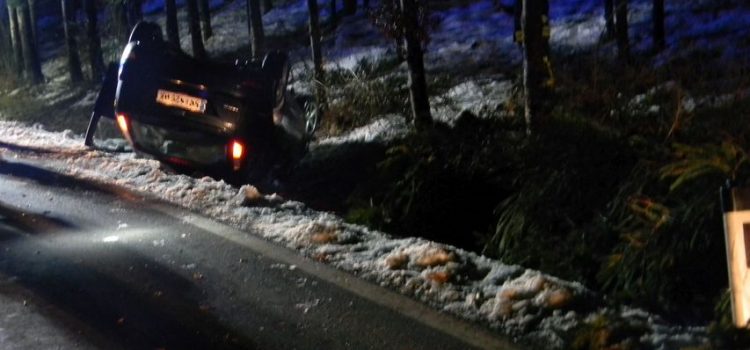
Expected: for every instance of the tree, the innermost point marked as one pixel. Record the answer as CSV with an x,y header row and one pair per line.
x,y
6,57
94,42
334,14
621,27
537,68
318,73
658,18
411,29
32,14
268,5
15,38
609,18
350,7
70,29
255,27
173,31
199,51
205,11
33,67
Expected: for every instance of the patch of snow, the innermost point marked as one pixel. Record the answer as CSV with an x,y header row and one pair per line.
x,y
381,130
475,96
88,100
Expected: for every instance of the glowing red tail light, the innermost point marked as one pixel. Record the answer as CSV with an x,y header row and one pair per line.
x,y
122,122
238,150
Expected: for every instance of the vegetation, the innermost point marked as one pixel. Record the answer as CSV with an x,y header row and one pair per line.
x,y
615,193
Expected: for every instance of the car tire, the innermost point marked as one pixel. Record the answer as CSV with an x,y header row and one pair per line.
x,y
146,33
276,67
312,118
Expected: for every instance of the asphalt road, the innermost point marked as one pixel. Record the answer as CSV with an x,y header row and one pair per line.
x,y
83,266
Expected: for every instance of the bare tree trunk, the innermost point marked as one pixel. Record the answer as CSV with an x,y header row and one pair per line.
x,y
173,31
350,7
15,39
255,27
32,14
30,53
621,22
317,57
537,69
659,32
95,45
334,14
420,104
6,50
400,50
205,11
366,4
199,51
70,29
268,5
609,18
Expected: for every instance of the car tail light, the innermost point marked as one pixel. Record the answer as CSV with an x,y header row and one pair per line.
x,y
122,122
238,150
236,153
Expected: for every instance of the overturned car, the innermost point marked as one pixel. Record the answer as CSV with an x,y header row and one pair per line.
x,y
236,121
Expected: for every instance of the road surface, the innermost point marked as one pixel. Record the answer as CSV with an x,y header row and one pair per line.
x,y
88,267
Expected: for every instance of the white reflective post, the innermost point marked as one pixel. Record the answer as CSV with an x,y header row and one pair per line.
x,y
736,206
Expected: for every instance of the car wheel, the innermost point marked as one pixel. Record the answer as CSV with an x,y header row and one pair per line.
x,y
276,66
146,32
311,118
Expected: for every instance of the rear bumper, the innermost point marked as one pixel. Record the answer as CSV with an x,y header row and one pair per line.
x,y
186,146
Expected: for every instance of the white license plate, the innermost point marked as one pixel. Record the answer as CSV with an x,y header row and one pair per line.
x,y
175,99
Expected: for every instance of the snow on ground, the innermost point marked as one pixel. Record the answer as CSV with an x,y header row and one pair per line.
x,y
381,130
477,96
526,304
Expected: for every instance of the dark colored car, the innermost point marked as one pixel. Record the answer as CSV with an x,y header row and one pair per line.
x,y
236,121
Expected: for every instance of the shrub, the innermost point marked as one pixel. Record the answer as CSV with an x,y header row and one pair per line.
x,y
565,177
363,93
441,184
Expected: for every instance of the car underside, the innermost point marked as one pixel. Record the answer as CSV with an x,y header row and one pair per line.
x,y
232,120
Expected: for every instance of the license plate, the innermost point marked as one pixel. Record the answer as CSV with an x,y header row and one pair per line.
x,y
175,99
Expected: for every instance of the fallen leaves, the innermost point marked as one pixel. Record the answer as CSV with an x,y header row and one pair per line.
x,y
397,261
435,257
